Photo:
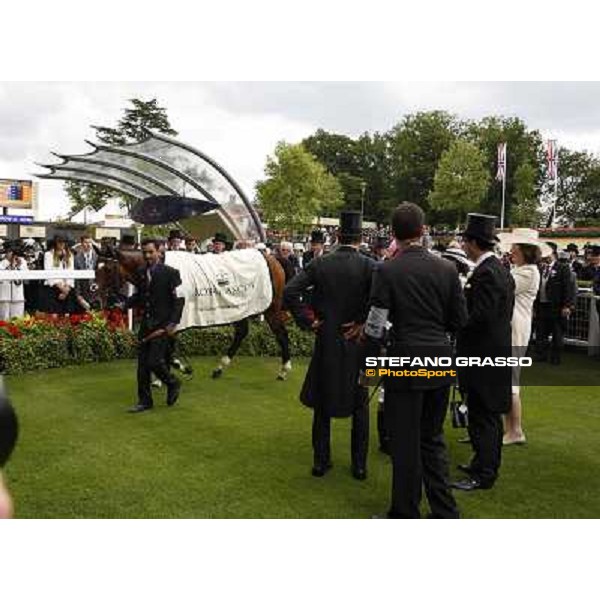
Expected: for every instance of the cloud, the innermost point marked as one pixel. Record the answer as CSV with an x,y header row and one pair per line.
x,y
240,123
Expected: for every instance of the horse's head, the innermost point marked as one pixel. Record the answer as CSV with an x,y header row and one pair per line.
x,y
113,269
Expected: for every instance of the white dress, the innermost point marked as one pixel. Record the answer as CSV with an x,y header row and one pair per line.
x,y
12,295
527,284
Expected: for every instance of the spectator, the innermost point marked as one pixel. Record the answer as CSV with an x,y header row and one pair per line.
x,y
191,245
85,259
317,241
219,243
287,260
175,241
12,295
553,307
526,253
60,297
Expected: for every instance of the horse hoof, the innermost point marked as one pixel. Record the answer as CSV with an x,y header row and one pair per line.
x,y
217,373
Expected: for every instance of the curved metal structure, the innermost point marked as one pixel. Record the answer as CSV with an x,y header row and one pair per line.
x,y
161,165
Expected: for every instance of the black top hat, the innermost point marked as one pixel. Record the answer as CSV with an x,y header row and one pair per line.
x,y
481,227
350,222
175,234
595,250
381,242
128,239
220,237
317,237
573,248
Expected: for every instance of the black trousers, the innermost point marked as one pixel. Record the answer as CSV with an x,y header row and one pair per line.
x,y
415,424
549,323
359,437
153,357
485,431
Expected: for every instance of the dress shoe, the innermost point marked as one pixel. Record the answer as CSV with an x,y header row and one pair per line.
x,y
465,469
359,473
470,485
320,470
138,408
514,441
173,393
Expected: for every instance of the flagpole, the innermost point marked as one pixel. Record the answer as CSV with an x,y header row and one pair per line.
x,y
503,190
553,224
554,156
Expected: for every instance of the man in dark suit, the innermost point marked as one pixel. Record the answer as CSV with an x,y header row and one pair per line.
x,y
420,294
490,293
87,259
156,292
553,306
341,283
317,241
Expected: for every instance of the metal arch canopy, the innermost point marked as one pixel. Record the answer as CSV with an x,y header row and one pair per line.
x,y
162,165
121,187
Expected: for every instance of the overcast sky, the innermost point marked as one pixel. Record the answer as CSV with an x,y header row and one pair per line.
x,y
239,124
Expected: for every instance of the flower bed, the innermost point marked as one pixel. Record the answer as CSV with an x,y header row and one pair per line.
x,y
34,343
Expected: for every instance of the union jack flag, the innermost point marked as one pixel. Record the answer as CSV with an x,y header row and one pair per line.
x,y
552,158
501,174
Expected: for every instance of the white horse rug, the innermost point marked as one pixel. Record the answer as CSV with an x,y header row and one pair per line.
x,y
221,288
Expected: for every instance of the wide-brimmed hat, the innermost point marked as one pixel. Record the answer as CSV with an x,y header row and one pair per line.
x,y
572,248
524,236
220,237
481,227
458,255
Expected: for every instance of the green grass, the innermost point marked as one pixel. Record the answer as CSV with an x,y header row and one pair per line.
x,y
240,447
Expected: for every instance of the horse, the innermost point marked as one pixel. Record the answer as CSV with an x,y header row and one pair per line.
x,y
116,267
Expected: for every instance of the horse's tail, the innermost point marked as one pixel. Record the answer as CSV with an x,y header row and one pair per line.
x,y
278,284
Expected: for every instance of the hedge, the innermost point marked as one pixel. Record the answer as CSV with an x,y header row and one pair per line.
x,y
30,345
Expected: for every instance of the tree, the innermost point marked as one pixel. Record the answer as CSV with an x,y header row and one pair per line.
x,y
297,189
523,146
578,201
142,114
461,182
416,145
357,162
526,206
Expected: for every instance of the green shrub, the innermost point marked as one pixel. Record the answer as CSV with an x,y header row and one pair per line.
x,y
46,345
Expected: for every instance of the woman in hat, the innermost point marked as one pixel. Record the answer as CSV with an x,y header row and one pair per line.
x,y
526,251
60,298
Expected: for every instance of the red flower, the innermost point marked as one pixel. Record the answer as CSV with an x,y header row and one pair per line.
x,y
14,331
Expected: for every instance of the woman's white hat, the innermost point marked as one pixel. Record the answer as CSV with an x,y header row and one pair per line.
x,y
523,236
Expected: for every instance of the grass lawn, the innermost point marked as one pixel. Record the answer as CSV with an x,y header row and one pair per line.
x,y
240,447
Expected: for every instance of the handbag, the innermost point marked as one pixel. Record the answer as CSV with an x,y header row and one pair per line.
x,y
459,409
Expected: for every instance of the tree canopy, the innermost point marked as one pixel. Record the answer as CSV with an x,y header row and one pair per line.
x,y
297,188
130,128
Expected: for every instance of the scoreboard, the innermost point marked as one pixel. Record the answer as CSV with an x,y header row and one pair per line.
x,y
16,193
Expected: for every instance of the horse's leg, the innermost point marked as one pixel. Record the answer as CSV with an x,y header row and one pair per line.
x,y
241,329
280,332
